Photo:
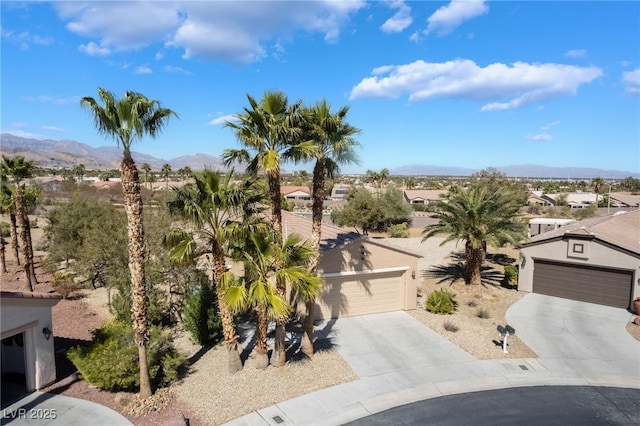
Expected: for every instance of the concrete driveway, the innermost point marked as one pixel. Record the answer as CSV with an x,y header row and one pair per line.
x,y
579,338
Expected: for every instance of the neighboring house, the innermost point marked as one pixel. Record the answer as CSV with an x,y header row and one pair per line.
x,y
594,260
361,275
424,196
28,357
624,199
339,192
536,197
575,200
540,225
297,194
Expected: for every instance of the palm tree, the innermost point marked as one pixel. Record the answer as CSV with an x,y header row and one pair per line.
x,y
597,184
125,120
80,170
165,171
8,205
146,168
478,216
263,256
271,129
221,212
20,169
333,138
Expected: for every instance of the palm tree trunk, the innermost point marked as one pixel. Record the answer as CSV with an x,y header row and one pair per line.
x,y
139,300
14,237
3,258
473,264
234,363
20,216
316,237
276,202
279,355
30,250
262,358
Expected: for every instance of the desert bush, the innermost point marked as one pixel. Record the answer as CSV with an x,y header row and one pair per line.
x,y
201,318
482,313
472,303
399,230
120,304
441,302
449,326
510,276
110,361
64,284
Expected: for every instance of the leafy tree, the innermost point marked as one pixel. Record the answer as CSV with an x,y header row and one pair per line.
x,y
477,215
630,184
221,212
362,211
333,137
18,168
126,119
165,172
271,130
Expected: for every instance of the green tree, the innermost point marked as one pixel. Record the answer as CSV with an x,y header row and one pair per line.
x,y
221,212
362,211
333,137
477,216
146,168
19,169
597,184
165,172
271,131
8,205
79,171
126,119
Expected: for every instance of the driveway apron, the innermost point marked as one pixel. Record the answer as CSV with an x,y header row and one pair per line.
x,y
577,337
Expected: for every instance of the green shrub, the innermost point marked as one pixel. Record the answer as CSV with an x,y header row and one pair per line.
x,y
64,284
482,313
120,305
510,276
399,230
201,318
441,302
110,362
5,229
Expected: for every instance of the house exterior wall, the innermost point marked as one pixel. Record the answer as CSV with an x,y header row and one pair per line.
x,y
363,255
31,316
595,254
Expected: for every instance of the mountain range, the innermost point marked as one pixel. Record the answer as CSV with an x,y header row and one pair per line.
x,y
68,153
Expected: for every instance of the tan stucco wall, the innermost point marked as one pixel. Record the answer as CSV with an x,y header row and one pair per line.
x,y
363,255
20,315
598,255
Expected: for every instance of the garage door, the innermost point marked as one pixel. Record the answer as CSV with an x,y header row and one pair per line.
x,y
587,284
361,294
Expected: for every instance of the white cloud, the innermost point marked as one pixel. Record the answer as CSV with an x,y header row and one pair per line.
x,y
449,17
503,86
25,39
550,125
143,69
224,30
53,128
576,53
93,49
176,70
544,136
56,100
219,121
631,82
400,20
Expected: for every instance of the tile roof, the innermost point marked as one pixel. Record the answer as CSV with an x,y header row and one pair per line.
x,y
332,236
620,229
10,294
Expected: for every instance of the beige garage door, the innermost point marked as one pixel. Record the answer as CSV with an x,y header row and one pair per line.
x,y
587,284
361,294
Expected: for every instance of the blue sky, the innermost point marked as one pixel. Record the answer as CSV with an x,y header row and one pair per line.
x,y
462,83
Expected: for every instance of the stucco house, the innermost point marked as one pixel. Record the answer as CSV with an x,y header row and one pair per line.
x,y
624,199
27,350
424,196
594,260
361,275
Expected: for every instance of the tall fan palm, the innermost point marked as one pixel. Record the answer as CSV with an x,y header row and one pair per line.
x,y
221,212
333,138
477,215
8,205
126,119
270,130
18,168
597,184
263,257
